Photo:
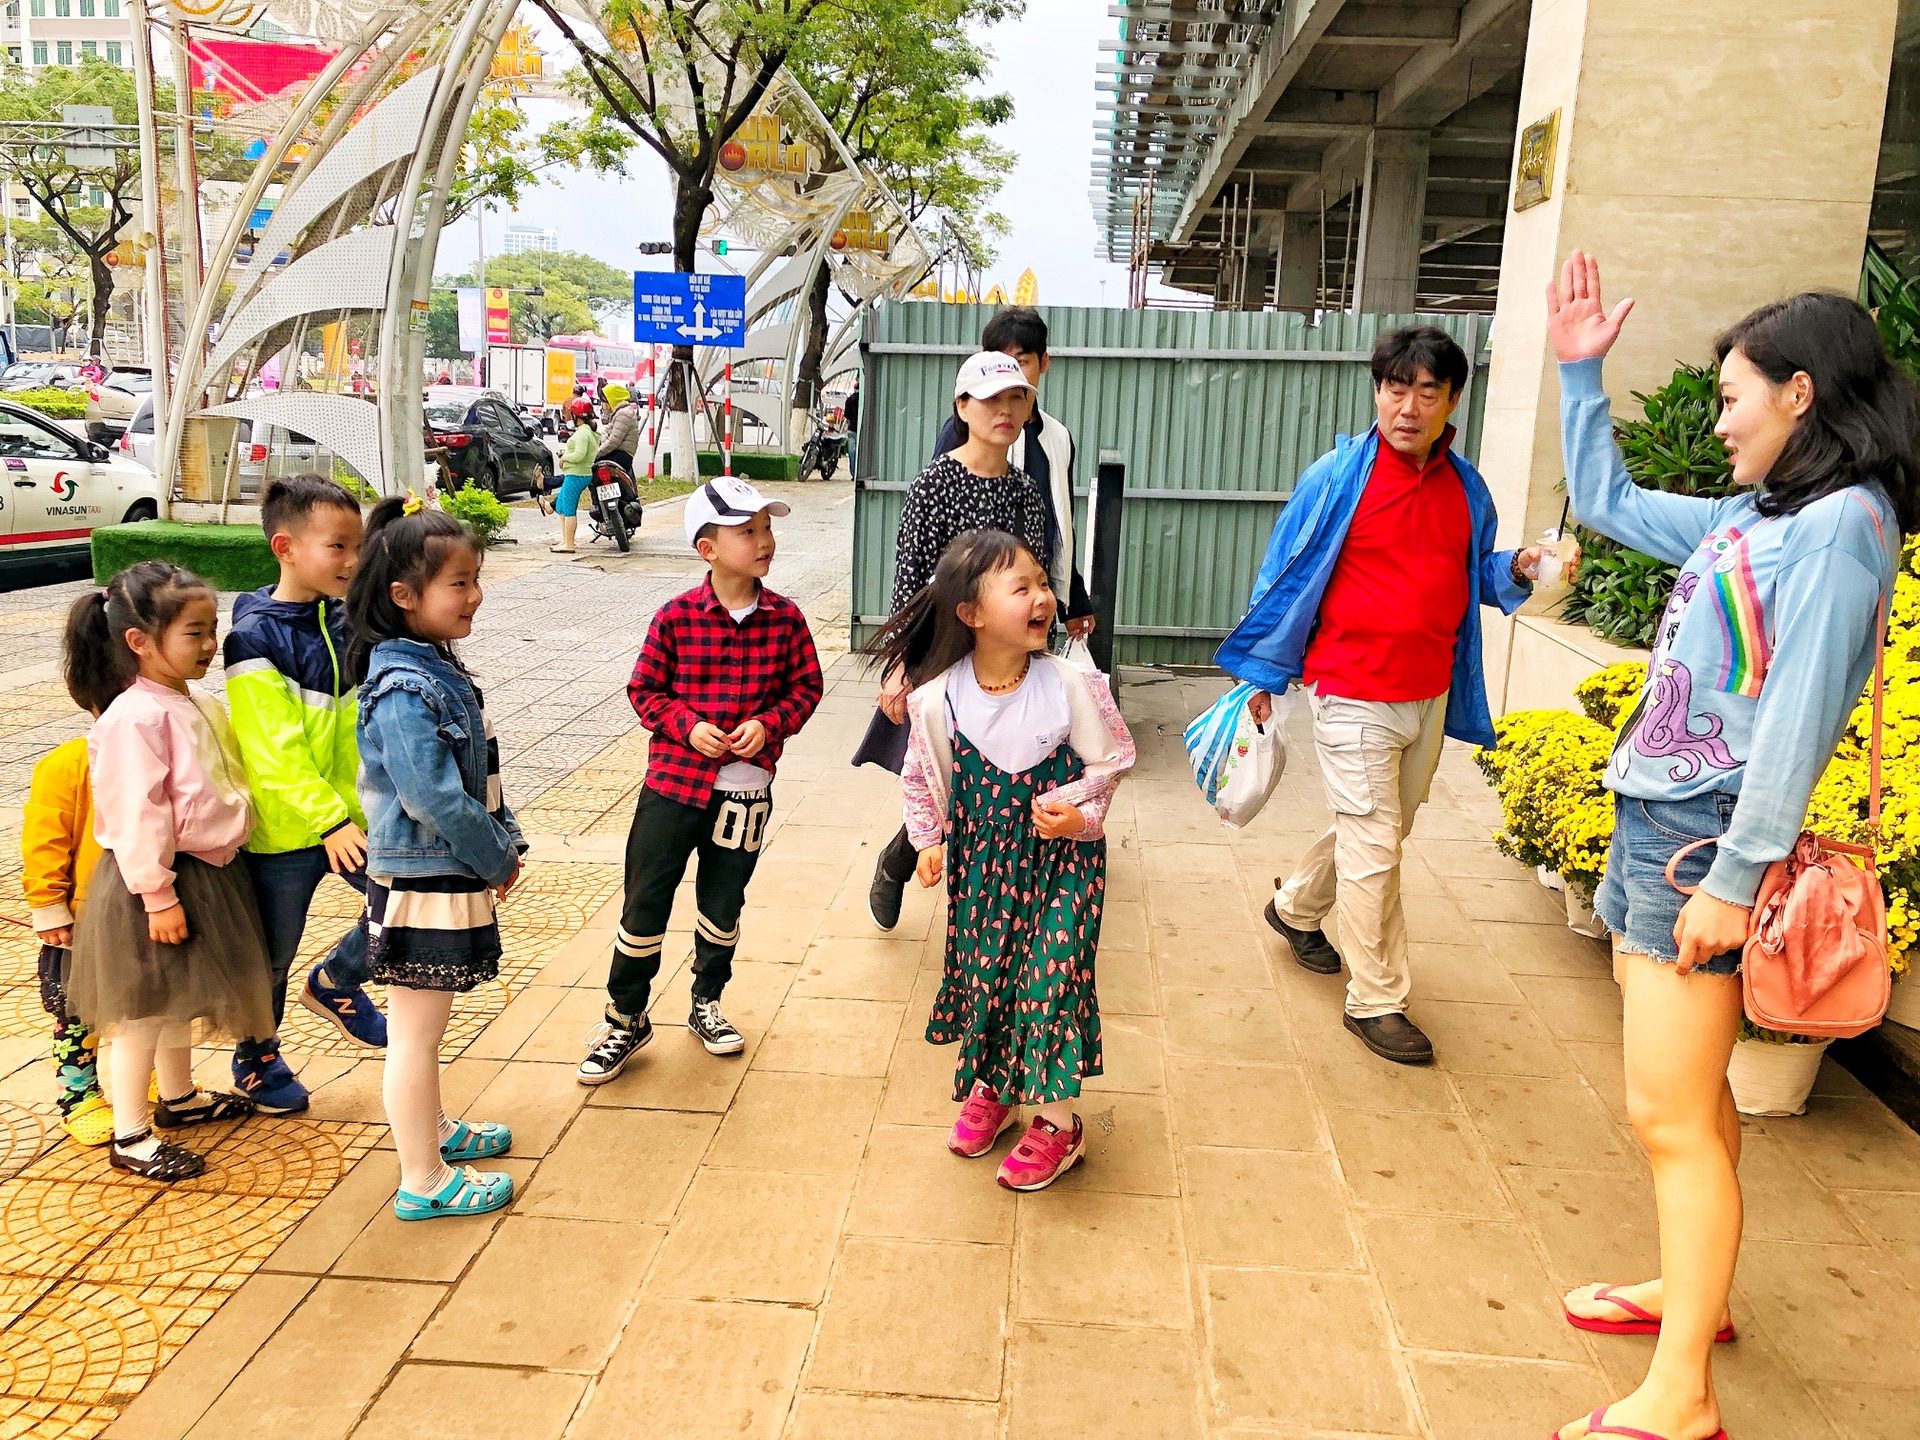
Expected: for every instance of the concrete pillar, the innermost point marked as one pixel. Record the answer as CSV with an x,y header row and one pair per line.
x,y
1745,175
1737,170
1387,268
1296,283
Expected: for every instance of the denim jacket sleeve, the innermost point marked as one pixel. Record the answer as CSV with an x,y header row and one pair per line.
x,y
407,728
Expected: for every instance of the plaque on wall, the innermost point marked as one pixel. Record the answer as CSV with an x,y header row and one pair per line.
x,y
1533,181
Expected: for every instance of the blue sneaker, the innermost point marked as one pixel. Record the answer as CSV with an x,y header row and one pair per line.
x,y
348,1007
268,1083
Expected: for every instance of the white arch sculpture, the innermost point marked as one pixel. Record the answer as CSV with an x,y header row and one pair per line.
x,y
360,215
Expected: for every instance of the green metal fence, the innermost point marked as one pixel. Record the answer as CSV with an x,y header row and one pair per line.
x,y
1215,414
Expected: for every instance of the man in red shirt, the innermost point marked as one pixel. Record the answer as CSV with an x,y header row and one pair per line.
x,y
1378,663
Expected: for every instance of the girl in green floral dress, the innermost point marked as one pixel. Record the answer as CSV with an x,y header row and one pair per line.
x,y
1012,758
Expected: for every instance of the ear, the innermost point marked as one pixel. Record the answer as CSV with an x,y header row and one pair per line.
x,y
969,614
281,544
138,641
1046,363
705,548
1800,393
1453,400
402,595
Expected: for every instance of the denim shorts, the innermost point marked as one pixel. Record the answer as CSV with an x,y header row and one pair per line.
x,y
1635,899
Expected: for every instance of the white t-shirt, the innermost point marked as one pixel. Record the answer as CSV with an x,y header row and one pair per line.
x,y
742,777
1017,730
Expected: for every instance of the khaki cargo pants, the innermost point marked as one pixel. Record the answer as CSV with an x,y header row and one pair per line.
x,y
1377,761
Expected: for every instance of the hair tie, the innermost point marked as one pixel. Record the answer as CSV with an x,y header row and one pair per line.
x,y
106,593
413,504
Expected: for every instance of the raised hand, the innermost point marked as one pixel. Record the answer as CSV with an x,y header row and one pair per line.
x,y
1577,323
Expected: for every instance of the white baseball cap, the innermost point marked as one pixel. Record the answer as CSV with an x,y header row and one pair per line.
x,y
727,500
988,373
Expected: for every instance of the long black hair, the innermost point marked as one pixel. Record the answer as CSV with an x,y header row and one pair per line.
x,y
147,597
926,635
1863,424
402,548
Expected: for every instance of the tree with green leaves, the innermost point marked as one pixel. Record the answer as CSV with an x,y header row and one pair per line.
x,y
503,159
64,192
895,79
682,77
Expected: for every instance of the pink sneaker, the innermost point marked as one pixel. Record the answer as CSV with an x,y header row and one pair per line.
x,y
1043,1155
982,1119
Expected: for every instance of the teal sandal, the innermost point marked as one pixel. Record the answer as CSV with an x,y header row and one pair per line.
x,y
475,1142
469,1192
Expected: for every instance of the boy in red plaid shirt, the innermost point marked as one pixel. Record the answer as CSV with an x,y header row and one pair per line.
x,y
728,675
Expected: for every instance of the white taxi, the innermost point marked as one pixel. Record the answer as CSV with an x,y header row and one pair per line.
x,y
56,487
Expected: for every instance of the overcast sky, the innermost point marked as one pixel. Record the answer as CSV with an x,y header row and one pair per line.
x,y
1045,61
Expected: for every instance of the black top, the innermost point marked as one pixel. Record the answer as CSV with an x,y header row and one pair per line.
x,y
947,499
1040,470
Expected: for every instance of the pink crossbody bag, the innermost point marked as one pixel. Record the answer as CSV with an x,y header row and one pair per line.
x,y
1815,962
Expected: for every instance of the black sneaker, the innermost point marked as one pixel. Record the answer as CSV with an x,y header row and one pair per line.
x,y
1311,948
884,897
716,1032
613,1042
1393,1037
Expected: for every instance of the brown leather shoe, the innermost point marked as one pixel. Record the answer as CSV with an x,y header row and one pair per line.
x,y
1393,1037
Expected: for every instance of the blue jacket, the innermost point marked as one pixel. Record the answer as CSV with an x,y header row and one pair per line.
x,y
423,770
1269,646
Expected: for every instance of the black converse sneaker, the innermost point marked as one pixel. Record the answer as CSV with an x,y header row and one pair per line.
x,y
714,1029
613,1042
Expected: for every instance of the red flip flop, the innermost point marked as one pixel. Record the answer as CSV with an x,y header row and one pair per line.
x,y
1644,1322
1597,1425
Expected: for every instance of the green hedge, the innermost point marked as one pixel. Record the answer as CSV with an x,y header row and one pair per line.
x,y
53,402
229,557
753,465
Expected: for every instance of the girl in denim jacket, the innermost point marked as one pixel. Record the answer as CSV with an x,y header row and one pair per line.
x,y
442,847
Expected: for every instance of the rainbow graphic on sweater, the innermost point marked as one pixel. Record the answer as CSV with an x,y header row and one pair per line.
x,y
1743,628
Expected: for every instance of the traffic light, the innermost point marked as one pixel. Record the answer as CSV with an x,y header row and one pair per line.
x,y
719,247
656,247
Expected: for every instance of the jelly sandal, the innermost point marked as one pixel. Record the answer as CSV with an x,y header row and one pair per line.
x,y
469,1192
202,1107
475,1142
1597,1425
1644,1321
169,1162
90,1122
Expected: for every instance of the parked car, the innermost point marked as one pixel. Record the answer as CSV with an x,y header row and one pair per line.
x,y
62,487
486,440
136,441
287,454
111,403
40,374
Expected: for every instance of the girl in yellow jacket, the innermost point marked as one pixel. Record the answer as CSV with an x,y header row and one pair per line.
x,y
59,852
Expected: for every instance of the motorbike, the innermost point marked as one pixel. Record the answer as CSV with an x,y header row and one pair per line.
x,y
613,504
824,450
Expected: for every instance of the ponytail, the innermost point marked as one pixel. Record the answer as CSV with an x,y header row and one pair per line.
x,y
399,548
147,597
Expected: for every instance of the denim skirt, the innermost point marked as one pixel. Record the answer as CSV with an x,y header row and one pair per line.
x,y
1635,899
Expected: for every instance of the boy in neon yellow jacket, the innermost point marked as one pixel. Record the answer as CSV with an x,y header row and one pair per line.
x,y
294,710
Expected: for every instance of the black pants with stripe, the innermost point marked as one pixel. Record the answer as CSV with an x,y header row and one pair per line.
x,y
727,836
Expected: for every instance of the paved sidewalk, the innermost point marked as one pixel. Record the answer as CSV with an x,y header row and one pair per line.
x,y
1275,1233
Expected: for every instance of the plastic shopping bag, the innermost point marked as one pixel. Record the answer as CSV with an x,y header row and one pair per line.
x,y
1078,652
1236,763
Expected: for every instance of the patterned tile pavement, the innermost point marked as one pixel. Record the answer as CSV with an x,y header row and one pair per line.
x,y
103,1277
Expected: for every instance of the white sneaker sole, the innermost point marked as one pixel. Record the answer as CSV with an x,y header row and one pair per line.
x,y
724,1047
602,1077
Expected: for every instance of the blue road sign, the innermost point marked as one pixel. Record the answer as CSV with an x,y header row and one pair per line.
x,y
673,308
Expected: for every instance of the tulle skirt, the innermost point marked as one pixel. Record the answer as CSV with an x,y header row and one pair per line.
x,y
218,975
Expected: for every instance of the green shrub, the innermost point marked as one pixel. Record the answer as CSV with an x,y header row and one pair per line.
x,y
1894,298
1620,593
479,509
227,557
53,402
753,465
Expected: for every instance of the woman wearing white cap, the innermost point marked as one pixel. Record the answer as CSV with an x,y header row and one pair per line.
x,y
973,487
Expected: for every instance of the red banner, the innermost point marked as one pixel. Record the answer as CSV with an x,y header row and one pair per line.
x,y
497,331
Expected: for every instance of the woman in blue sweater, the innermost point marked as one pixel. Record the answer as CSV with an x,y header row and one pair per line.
x,y
1759,659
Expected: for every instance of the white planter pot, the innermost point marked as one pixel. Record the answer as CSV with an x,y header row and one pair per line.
x,y
1548,878
1773,1079
1580,917
1903,1008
